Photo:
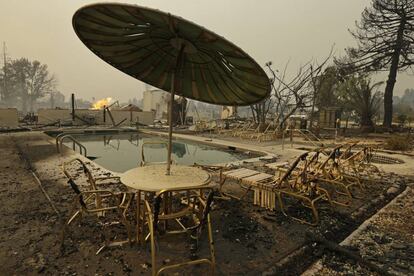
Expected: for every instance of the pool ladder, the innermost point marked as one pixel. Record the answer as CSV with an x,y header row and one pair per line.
x,y
59,142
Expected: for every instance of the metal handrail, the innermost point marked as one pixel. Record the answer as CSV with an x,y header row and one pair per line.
x,y
61,137
300,131
57,140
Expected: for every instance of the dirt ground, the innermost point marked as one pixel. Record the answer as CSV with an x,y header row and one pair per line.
x,y
386,240
248,239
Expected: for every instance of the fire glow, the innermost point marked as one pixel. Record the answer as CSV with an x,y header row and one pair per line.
x,y
101,103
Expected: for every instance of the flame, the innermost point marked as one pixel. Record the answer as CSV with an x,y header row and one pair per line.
x,y
101,103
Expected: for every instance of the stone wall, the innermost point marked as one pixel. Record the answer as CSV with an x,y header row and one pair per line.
x,y
9,117
47,116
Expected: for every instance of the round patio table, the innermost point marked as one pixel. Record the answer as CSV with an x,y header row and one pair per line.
x,y
152,178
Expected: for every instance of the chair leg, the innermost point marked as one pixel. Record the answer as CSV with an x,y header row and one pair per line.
x,y
281,204
152,240
246,192
305,200
127,225
68,222
346,192
220,190
211,244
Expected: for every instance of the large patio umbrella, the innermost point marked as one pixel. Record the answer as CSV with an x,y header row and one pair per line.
x,y
172,54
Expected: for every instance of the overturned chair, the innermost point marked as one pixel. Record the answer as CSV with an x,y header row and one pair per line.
x,y
98,198
180,211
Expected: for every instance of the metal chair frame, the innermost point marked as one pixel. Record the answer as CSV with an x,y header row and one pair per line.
x,y
158,210
97,201
300,187
143,161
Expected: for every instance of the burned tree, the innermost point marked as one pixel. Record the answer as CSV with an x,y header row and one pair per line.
x,y
385,38
295,94
261,110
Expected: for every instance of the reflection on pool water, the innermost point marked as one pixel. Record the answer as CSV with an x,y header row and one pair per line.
x,y
121,152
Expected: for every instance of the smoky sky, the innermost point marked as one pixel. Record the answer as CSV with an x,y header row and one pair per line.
x,y
281,31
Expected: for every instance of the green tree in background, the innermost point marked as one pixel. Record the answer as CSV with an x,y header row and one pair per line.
x,y
385,38
26,81
357,94
326,86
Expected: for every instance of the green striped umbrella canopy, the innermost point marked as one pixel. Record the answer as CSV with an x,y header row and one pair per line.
x,y
145,44
172,54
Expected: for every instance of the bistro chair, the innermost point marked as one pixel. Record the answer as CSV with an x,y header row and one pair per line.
x,y
96,199
153,144
180,211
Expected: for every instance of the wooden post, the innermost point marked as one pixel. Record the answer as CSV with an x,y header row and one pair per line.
x,y
73,106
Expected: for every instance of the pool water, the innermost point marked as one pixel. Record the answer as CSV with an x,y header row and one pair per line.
x,y
121,152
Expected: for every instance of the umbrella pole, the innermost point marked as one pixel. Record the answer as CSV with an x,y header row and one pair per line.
x,y
170,115
170,118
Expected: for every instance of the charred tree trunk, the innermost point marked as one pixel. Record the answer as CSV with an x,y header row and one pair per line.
x,y
366,112
253,113
24,104
31,102
262,120
366,120
392,77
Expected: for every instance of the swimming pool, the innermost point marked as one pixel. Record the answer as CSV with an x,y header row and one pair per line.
x,y
121,152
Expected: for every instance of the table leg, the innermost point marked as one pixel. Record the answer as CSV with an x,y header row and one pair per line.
x,y
138,230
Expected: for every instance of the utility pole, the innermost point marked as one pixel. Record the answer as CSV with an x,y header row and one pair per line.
x,y
73,106
4,72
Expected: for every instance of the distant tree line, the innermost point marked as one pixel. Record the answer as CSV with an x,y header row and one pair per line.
x,y
404,107
23,82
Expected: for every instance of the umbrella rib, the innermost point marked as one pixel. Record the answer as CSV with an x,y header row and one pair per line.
x,y
108,34
210,75
109,13
137,62
95,19
102,38
113,43
248,81
123,46
98,21
232,78
225,82
155,65
208,88
141,16
207,51
161,49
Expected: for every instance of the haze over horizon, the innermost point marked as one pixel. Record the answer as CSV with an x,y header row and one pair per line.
x,y
280,31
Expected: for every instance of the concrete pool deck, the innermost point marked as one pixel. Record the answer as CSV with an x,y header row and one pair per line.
x,y
30,228
268,149
286,152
